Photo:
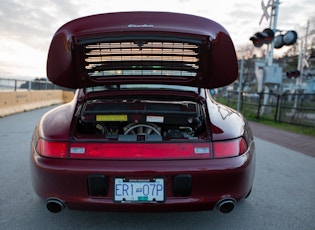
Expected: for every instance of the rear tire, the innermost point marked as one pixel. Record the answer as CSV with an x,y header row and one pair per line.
x,y
250,191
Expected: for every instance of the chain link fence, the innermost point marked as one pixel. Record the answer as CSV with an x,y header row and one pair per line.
x,y
23,85
298,109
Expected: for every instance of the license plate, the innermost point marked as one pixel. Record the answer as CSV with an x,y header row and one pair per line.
x,y
139,190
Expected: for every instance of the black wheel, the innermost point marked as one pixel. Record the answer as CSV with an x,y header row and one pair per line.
x,y
250,191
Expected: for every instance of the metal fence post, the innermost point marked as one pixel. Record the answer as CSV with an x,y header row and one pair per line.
x,y
283,97
259,105
228,98
277,107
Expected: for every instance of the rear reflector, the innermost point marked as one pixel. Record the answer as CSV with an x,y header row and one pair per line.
x,y
140,151
52,149
230,148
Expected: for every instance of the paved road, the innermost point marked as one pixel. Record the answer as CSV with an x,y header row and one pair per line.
x,y
298,142
283,196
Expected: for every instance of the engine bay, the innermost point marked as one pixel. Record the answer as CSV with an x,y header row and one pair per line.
x,y
133,120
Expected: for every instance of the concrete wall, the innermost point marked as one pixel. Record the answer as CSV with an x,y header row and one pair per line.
x,y
16,102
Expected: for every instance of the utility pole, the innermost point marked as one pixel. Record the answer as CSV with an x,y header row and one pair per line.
x,y
302,54
300,66
269,54
240,83
273,26
272,73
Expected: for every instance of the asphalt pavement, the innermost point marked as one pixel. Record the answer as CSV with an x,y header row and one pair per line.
x,y
283,196
298,142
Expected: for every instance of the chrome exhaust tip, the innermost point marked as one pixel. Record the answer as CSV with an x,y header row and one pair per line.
x,y
55,205
226,205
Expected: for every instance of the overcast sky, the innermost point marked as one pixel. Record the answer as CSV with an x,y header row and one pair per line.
x,y
27,26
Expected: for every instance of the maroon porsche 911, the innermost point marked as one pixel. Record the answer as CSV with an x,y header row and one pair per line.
x,y
142,132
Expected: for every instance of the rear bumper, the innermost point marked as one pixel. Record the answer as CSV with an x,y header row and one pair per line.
x,y
211,180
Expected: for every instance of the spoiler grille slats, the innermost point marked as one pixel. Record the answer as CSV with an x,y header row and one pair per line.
x,y
141,58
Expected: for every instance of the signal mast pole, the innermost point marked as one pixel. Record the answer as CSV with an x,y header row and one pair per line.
x,y
269,55
273,26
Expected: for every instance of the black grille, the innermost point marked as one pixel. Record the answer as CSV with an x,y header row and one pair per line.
x,y
127,58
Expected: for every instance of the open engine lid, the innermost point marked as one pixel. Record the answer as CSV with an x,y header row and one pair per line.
x,y
142,47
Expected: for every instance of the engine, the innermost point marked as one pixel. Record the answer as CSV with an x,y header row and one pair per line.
x,y
141,120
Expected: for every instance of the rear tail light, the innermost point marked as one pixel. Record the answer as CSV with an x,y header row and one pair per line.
x,y
140,151
221,149
52,149
230,148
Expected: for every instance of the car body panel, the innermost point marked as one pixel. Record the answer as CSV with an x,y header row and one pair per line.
x,y
55,125
213,180
65,68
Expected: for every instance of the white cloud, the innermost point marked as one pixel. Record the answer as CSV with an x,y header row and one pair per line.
x,y
27,26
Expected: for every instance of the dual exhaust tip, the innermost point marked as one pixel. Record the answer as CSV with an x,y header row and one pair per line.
x,y
225,205
55,205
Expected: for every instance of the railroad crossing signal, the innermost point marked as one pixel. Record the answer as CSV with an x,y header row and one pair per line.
x,y
293,74
287,39
265,37
264,8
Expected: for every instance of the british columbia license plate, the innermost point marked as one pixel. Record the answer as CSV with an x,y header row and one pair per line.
x,y
139,190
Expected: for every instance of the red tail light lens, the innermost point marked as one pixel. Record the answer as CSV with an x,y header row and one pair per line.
x,y
221,149
140,151
52,149
231,148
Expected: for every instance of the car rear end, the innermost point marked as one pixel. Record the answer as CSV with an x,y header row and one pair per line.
x,y
124,156
142,132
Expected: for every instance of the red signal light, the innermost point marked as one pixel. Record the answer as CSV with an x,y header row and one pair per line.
x,y
293,73
268,35
289,74
256,40
265,37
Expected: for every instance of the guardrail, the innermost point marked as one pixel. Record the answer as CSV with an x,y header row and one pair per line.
x,y
16,102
